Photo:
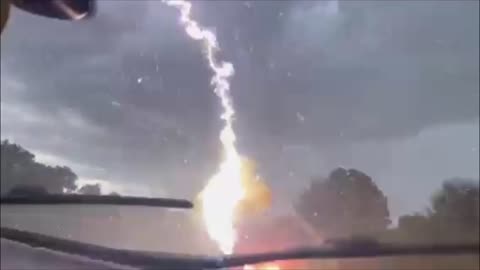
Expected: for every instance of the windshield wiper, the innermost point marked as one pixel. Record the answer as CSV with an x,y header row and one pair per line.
x,y
52,199
151,260
353,251
137,259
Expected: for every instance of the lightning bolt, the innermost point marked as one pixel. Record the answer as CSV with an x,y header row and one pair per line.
x,y
224,190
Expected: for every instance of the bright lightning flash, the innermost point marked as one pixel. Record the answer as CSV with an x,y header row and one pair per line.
x,y
224,190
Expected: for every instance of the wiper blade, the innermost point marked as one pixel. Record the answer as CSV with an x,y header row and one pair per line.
x,y
339,252
131,258
150,260
55,199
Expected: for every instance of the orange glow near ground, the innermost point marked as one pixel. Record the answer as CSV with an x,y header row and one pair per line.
x,y
266,266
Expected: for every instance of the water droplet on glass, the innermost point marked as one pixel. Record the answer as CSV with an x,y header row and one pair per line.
x,y
300,117
116,103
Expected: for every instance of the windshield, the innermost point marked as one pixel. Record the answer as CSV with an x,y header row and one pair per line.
x,y
287,123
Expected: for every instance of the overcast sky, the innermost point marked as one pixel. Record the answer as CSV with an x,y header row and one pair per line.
x,y
390,88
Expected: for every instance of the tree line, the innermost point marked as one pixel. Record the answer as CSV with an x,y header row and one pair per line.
x,y
346,203
22,174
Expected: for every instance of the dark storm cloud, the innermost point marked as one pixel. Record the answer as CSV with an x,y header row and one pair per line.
x,y
316,74
129,92
339,67
124,78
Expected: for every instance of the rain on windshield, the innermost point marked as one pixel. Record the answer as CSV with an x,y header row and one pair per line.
x,y
287,123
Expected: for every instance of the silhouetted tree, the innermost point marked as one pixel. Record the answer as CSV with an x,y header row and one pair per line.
x,y
457,206
347,203
452,217
19,168
90,189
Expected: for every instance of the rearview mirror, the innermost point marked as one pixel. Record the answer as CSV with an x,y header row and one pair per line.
x,y
59,9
